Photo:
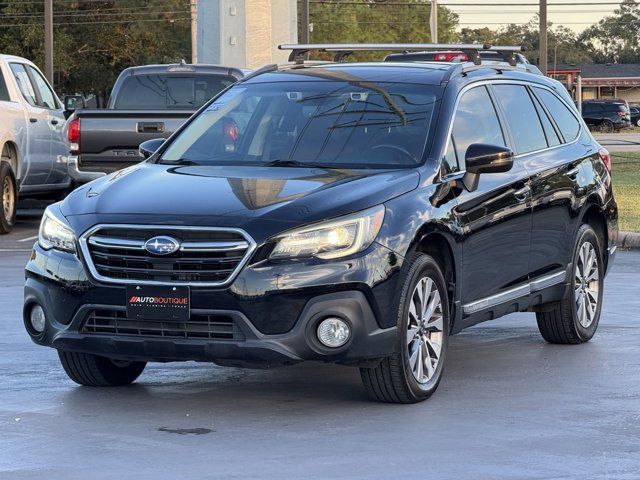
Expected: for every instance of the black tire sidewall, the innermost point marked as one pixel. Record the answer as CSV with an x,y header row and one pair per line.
x,y
6,224
586,234
420,266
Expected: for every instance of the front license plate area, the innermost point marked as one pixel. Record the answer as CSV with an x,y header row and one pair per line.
x,y
158,302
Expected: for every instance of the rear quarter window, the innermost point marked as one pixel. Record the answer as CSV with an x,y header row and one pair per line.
x,y
4,91
566,121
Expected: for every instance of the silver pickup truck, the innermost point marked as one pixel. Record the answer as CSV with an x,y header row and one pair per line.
x,y
32,142
146,102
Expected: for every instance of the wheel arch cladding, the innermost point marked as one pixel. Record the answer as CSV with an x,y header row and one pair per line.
x,y
595,217
10,150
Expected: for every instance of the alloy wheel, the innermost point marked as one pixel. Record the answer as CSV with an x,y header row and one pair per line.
x,y
8,198
587,284
424,330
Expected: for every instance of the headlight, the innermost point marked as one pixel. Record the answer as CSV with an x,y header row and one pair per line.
x,y
55,233
336,238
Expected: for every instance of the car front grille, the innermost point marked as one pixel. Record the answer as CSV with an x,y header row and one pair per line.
x,y
199,326
206,257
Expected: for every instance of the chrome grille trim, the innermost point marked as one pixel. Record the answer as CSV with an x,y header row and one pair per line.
x,y
87,239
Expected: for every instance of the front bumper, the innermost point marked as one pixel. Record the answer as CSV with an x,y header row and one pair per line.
x,y
277,316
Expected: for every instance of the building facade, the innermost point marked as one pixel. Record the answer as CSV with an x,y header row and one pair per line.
x,y
601,81
245,33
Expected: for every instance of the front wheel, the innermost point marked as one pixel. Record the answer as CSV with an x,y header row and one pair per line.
x,y
95,371
638,122
412,373
8,198
575,318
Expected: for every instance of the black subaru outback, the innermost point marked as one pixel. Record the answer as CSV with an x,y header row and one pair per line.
x,y
355,213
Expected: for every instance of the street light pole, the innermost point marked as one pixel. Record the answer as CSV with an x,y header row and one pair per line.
x,y
48,40
433,21
194,31
543,36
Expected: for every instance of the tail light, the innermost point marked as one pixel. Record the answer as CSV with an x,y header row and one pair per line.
x,y
450,57
73,135
621,114
230,130
605,157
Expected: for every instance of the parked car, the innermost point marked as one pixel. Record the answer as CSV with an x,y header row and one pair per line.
x,y
33,146
360,215
606,115
146,102
634,113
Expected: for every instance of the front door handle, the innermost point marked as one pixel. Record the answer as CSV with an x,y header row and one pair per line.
x,y
54,122
573,173
33,120
523,193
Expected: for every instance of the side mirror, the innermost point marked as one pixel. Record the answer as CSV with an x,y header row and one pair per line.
x,y
482,158
73,103
150,147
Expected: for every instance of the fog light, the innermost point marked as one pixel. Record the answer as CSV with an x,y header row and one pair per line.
x,y
37,319
333,332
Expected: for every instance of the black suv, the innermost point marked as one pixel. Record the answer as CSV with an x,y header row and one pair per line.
x,y
606,115
355,213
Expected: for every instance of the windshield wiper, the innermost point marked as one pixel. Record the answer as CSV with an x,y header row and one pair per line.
x,y
181,162
294,163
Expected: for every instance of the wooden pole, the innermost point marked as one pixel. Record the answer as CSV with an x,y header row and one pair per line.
x,y
48,40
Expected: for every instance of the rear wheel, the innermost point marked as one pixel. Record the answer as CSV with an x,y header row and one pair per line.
x,y
8,198
575,318
95,371
412,373
607,126
638,122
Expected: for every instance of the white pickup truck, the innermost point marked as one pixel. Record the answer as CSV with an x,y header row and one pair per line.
x,y
33,146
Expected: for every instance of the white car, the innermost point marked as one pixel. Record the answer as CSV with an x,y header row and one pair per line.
x,y
34,148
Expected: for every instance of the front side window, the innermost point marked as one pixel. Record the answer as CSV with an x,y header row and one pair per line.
x,y
476,121
159,92
24,83
46,94
565,120
522,118
323,123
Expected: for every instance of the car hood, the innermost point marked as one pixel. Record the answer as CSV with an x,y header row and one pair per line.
x,y
231,196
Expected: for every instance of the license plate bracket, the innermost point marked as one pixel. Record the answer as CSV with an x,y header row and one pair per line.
x,y
158,302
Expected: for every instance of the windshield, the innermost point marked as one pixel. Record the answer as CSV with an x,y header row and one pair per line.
x,y
312,123
160,92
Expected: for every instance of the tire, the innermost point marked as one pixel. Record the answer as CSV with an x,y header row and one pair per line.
x,y
566,322
638,122
94,371
395,379
607,126
8,198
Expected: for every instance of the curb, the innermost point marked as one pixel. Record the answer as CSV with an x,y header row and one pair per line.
x,y
629,240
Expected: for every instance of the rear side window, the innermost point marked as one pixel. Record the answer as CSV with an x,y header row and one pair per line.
x,y
476,121
160,92
24,83
550,132
565,120
522,118
4,92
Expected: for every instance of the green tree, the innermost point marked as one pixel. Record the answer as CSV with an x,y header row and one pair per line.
x,y
379,21
94,41
615,38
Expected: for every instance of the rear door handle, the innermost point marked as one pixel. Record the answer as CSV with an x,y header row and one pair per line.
x,y
54,122
33,120
523,193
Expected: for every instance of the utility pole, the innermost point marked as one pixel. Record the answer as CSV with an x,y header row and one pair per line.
x,y
304,20
48,40
433,21
543,36
194,31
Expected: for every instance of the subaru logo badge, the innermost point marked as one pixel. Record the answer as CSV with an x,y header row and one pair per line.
x,y
161,245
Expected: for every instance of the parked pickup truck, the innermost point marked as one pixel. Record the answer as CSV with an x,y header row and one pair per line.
x,y
146,102
33,147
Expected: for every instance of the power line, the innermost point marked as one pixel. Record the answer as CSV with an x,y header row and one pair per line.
x,y
168,20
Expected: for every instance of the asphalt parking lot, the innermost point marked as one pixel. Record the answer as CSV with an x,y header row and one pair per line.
x,y
509,407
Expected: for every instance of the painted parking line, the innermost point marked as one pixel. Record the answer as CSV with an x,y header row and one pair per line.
x,y
28,239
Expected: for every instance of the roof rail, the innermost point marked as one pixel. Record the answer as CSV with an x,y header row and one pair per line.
x,y
342,50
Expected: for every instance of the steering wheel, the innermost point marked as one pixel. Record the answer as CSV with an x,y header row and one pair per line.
x,y
396,148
